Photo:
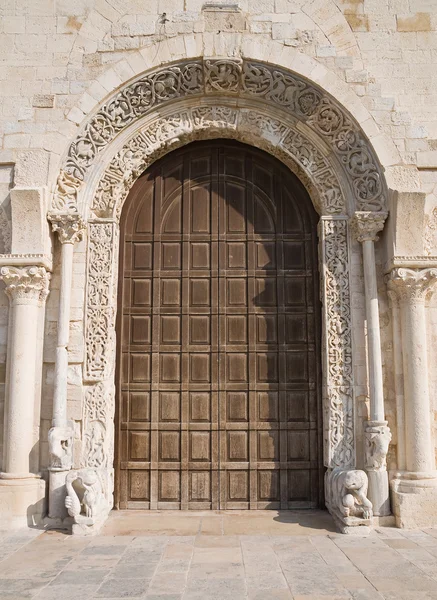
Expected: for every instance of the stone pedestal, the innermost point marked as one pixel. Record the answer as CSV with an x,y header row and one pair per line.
x,y
21,490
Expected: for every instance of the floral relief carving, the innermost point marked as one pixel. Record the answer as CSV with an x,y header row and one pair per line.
x,y
262,82
100,316
242,124
339,433
366,225
412,284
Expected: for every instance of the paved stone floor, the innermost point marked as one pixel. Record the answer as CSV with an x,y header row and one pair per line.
x,y
257,556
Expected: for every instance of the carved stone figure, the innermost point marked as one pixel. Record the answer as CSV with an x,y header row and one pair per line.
x,y
61,448
346,498
85,500
378,437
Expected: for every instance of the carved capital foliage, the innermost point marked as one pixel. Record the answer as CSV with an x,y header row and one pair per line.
x,y
279,88
377,440
366,225
412,285
26,285
70,227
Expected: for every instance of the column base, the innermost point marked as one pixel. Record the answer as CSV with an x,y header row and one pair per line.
x,y
57,495
23,502
414,500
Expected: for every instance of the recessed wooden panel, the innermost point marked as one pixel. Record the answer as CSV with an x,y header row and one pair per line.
x,y
238,408
237,368
141,292
200,292
238,446
238,485
236,255
139,485
268,445
169,486
268,485
170,370
140,329
140,368
170,292
200,255
142,255
268,406
200,329
139,444
171,255
200,407
169,446
169,407
200,486
237,329
218,335
200,442
140,406
170,329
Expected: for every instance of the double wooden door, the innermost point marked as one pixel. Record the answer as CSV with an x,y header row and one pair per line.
x,y
218,335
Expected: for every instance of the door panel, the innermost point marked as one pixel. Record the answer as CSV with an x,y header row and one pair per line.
x,y
218,335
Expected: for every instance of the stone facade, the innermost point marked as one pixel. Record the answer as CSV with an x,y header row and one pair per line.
x,y
342,92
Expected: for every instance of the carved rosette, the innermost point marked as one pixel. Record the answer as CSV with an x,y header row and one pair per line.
x,y
26,285
377,440
365,225
412,285
238,78
338,377
69,227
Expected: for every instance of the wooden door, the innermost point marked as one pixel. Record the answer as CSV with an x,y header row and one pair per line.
x,y
218,335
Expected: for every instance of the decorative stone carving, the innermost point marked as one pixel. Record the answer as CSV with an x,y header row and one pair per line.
x,y
346,499
278,87
61,448
98,432
338,379
100,315
26,284
245,125
366,225
5,232
85,500
412,284
377,440
70,227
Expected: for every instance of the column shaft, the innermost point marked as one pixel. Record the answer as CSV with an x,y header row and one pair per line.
x,y
417,408
373,333
61,365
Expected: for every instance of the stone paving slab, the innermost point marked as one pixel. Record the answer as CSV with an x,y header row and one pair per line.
x,y
222,561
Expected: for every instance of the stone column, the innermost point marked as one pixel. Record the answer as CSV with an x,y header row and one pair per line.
x,y
70,228
27,288
412,287
366,226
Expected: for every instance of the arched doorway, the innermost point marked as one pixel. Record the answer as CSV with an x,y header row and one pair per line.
x,y
218,371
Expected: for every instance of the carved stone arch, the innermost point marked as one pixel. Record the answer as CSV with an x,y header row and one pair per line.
x,y
254,103
271,85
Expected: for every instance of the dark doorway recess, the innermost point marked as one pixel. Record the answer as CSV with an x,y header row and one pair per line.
x,y
218,371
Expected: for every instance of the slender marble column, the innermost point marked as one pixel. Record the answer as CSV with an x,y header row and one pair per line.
x,y
366,226
27,289
413,286
70,228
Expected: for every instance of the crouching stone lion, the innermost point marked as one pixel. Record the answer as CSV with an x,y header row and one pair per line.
x,y
346,498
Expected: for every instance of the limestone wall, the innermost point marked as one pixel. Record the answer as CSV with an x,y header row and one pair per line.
x,y
59,59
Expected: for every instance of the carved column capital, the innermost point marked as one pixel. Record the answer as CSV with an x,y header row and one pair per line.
x,y
412,285
69,226
26,285
365,225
